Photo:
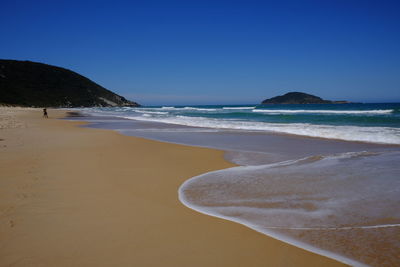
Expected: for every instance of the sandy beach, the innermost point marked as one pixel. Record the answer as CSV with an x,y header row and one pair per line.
x,y
72,196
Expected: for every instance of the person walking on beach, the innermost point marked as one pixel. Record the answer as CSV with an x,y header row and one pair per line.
x,y
45,113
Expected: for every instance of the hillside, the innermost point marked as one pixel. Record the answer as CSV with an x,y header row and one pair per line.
x,y
26,83
298,98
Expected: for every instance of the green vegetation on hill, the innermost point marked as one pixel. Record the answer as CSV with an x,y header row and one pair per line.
x,y
26,83
299,98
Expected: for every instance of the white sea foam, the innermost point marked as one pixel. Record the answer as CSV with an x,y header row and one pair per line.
x,y
199,109
271,233
305,194
188,108
384,135
234,108
295,111
151,112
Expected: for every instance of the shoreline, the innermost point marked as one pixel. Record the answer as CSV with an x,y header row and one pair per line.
x,y
287,240
234,156
271,234
81,196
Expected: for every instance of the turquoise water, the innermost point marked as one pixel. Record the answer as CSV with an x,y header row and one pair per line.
x,y
383,115
376,123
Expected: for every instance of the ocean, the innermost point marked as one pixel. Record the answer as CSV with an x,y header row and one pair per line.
x,y
322,177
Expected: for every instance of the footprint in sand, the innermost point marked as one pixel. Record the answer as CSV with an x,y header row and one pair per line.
x,y
3,140
12,223
22,196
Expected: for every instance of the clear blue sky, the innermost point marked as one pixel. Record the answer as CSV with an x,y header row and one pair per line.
x,y
207,52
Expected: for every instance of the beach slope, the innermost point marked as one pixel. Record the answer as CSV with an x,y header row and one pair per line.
x,y
72,196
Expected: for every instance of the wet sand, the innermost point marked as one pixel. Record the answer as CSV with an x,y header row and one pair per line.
x,y
73,196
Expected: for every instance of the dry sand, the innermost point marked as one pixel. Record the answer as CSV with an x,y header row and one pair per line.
x,y
73,196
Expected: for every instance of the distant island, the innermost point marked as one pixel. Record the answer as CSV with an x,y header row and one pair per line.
x,y
299,98
26,83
